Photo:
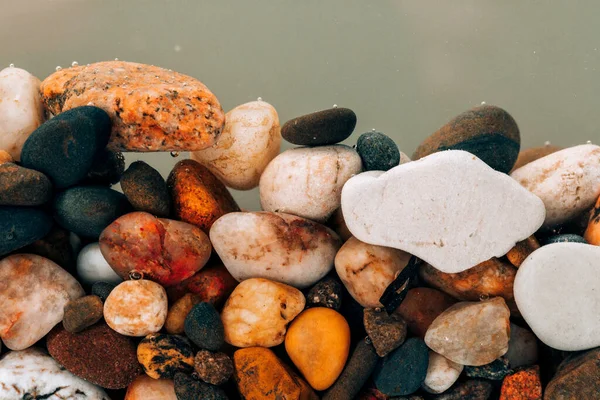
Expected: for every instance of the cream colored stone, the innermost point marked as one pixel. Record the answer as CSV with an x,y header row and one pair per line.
x,y
441,373
146,388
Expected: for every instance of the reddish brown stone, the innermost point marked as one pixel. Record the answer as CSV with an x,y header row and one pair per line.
x,y
528,155
387,332
421,306
82,313
577,378
213,284
23,186
522,385
592,232
522,250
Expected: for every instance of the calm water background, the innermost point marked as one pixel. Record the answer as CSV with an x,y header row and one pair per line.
x,y
405,67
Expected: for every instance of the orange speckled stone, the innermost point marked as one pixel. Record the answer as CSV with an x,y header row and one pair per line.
x,y
199,198
592,233
151,109
260,375
421,306
212,284
522,250
522,385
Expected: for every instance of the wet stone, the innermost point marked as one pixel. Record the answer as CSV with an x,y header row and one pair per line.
x,y
326,293
23,186
21,226
473,389
203,326
92,266
387,332
494,371
188,388
82,313
377,151
320,128
146,189
178,313
106,169
162,356
102,289
213,368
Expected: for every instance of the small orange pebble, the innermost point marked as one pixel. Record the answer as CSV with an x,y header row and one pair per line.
x,y
522,385
198,196
522,250
5,157
177,313
592,233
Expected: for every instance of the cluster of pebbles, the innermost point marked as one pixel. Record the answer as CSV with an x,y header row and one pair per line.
x,y
471,272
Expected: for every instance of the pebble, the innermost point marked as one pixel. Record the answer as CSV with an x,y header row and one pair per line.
x,y
318,342
404,370
377,151
283,247
250,139
576,378
522,385
21,226
592,232
556,290
488,132
258,311
98,354
146,388
367,270
203,326
40,377
136,308
337,223
146,189
435,222
386,332
21,109
162,250
87,210
564,238
482,337
188,388
522,250
5,157
212,284
198,196
213,368
162,356
82,313
23,186
421,306
472,389
33,294
260,375
102,289
534,153
92,267
326,293
320,128
64,147
55,246
151,109
568,181
494,371
308,181
107,168
522,347
178,312
441,373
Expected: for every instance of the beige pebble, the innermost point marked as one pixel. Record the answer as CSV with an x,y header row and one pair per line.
x,y
146,388
178,311
441,373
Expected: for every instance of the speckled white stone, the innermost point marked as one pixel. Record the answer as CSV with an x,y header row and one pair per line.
x,y
441,373
449,208
92,266
522,347
557,290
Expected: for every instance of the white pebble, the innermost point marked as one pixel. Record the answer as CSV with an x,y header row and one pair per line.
x,y
92,266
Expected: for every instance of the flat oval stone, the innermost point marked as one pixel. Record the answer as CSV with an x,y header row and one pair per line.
x,y
21,226
435,222
146,189
146,388
528,155
162,356
441,373
421,307
39,376
488,132
213,368
522,347
250,140
592,232
107,168
377,151
203,326
556,290
87,210
82,313
92,267
33,294
282,247
576,378
568,181
212,284
320,128
308,181
23,186
151,109
21,109
258,311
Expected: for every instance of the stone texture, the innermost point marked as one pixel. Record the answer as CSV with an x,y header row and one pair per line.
x,y
576,378
92,267
23,186
377,151
102,289
528,155
212,284
421,306
379,209
146,189
494,371
522,250
20,226
203,326
178,312
337,223
522,385
320,128
473,389
5,157
522,347
82,313
326,293
189,388
55,246
146,388
564,238
213,368
107,168
151,109
441,373
386,332
162,356
592,232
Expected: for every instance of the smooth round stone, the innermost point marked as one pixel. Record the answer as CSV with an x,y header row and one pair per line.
x,y
441,373
320,128
213,368
152,109
64,147
565,238
21,226
33,294
92,266
534,153
421,307
178,312
146,388
21,109
308,181
146,189
162,356
488,132
39,375
87,210
377,151
98,354
204,328
404,370
327,292
522,347
188,388
434,219
250,139
386,332
136,308
102,289
556,290
576,378
22,186
282,247
258,311
82,313
107,168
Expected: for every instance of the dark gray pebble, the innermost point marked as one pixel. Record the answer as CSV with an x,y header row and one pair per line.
x,y
23,186
377,151
188,388
403,371
20,226
102,289
204,328
494,371
474,389
107,168
326,293
564,238
146,189
320,128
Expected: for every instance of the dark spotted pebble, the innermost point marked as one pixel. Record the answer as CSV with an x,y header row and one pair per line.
x,y
494,371
564,238
488,132
162,355
107,168
213,368
386,332
64,147
20,226
102,289
87,210
82,313
188,388
23,186
146,189
55,246
377,151
473,389
320,128
577,377
204,328
326,293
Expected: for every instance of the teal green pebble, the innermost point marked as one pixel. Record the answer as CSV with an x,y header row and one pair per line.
x,y
377,151
403,371
204,328
564,238
20,226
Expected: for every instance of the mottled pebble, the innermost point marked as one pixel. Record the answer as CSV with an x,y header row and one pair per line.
x,y
20,226
337,223
92,267
421,306
203,326
472,389
522,385
146,189
23,186
213,368
592,232
212,284
320,128
564,238
5,157
576,378
377,151
162,356
494,371
82,313
326,293
386,332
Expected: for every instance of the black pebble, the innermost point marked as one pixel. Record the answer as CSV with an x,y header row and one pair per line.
x,y
377,151
320,128
188,388
87,210
494,371
204,328
146,189
327,292
564,238
102,289
64,147
20,226
107,168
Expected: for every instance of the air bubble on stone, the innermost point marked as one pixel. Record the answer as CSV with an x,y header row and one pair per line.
x,y
589,142
174,154
58,68
91,103
177,48
547,143
335,106
484,297
10,236
373,130
116,59
483,103
74,64
11,65
259,99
